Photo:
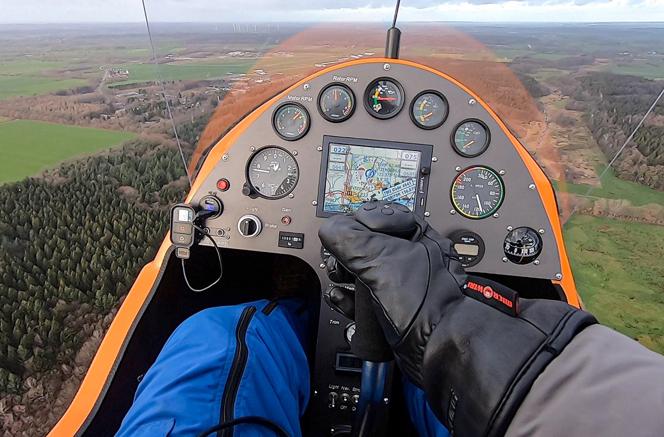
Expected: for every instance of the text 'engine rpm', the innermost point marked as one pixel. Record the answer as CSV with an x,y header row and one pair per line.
x,y
291,121
272,172
477,192
336,103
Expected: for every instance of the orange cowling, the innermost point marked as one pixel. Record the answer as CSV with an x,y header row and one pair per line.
x,y
93,386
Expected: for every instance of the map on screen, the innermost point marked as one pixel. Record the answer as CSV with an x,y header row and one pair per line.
x,y
357,174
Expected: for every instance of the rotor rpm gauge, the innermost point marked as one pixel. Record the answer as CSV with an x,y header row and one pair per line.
x,y
384,98
336,103
272,172
470,138
477,192
522,245
291,121
429,110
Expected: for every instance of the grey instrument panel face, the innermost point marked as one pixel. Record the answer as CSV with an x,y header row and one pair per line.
x,y
295,213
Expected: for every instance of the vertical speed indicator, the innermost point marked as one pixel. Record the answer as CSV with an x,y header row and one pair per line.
x,y
477,192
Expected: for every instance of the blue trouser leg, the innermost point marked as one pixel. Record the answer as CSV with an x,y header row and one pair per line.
x,y
183,392
425,421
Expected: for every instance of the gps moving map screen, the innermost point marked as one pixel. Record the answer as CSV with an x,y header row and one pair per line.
x,y
357,174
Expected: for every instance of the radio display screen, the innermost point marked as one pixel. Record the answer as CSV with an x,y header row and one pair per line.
x,y
357,173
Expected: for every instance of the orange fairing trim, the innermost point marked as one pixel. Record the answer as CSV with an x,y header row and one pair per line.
x,y
93,384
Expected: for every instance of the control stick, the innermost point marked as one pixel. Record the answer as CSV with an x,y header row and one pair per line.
x,y
369,343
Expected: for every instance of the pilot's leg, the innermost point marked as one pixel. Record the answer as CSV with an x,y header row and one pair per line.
x,y
225,363
425,421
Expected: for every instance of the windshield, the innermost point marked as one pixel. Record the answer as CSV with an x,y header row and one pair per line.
x,y
103,126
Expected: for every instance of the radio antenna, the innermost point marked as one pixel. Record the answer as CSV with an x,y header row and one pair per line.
x,y
393,36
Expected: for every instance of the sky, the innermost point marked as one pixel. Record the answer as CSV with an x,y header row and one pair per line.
x,y
90,11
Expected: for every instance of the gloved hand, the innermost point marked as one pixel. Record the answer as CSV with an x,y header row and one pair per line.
x,y
470,343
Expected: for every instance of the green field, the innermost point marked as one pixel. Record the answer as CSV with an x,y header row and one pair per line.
x,y
14,86
139,73
615,188
620,275
647,69
28,147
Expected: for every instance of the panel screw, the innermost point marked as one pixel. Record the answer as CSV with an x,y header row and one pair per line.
x,y
559,276
314,203
531,186
496,215
452,211
291,195
224,158
509,228
294,152
386,67
427,214
319,148
471,102
541,231
306,86
434,159
321,265
252,148
505,259
457,168
502,172
536,262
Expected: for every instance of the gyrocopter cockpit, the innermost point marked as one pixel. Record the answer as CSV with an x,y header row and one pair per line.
x,y
282,154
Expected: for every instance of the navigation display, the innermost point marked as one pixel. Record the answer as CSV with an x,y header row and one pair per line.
x,y
359,173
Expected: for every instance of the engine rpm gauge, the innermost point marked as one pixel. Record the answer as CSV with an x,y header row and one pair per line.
x,y
429,109
291,121
384,98
336,103
470,138
477,192
272,172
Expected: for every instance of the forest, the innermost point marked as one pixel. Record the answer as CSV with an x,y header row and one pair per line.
x,y
616,104
72,242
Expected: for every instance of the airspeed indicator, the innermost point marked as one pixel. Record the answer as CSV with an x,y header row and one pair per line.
x,y
477,192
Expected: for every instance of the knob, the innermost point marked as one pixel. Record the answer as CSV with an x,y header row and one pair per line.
x,y
249,226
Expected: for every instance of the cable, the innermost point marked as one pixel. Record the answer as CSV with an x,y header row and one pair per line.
x,y
619,152
257,420
396,12
221,266
159,81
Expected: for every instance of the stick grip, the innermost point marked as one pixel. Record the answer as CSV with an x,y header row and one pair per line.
x,y
369,343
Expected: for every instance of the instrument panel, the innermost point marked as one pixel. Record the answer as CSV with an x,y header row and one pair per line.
x,y
417,139
375,130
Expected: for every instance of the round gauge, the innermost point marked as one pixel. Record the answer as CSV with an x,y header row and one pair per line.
x,y
336,103
469,247
272,172
384,98
471,138
477,192
522,245
291,121
429,109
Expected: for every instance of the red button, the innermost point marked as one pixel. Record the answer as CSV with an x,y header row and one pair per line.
x,y
223,184
286,220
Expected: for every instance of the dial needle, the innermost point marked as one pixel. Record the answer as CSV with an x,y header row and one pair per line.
x,y
479,203
260,170
469,144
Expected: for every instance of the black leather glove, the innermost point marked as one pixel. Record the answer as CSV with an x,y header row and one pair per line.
x,y
470,343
